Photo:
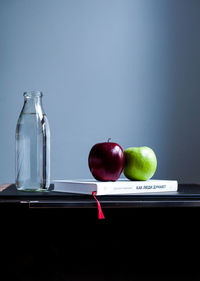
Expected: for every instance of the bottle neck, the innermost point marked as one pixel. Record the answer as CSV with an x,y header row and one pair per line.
x,y
33,103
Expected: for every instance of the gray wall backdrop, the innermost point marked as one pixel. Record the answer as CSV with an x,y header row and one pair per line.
x,y
124,69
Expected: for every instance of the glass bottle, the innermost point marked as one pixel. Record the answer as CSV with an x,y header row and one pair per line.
x,y
32,155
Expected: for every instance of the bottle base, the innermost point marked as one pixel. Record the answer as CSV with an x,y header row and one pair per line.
x,y
32,189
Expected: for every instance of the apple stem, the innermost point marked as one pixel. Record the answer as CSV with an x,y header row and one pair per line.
x,y
109,139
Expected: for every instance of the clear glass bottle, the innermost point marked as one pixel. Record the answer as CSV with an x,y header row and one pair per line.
x,y
32,145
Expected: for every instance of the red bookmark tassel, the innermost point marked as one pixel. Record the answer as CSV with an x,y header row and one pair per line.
x,y
100,212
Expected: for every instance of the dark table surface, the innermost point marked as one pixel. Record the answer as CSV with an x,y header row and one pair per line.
x,y
188,195
57,236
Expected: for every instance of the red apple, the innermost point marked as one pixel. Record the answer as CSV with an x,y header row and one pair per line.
x,y
106,161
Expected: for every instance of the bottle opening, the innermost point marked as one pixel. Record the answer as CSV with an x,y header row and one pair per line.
x,y
33,94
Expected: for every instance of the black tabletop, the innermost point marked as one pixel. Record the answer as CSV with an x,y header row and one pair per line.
x,y
188,195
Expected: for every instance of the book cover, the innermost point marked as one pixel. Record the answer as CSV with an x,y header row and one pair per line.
x,y
118,187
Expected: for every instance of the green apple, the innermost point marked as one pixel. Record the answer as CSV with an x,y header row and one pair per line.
x,y
140,163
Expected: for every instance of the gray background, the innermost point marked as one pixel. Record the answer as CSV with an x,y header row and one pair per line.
x,y
124,69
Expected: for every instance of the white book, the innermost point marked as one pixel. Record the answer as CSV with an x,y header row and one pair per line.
x,y
118,187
